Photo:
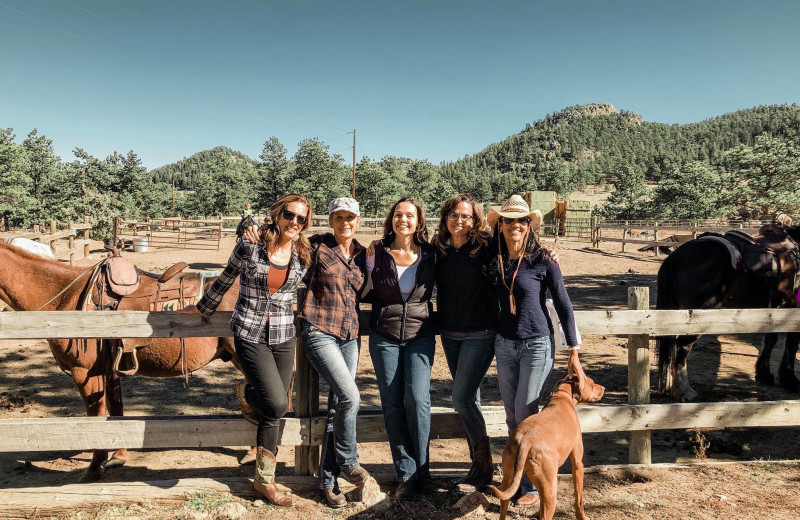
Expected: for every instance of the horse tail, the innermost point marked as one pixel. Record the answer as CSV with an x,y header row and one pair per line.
x,y
667,351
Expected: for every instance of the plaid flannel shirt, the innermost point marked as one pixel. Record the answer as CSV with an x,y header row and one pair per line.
x,y
334,287
256,309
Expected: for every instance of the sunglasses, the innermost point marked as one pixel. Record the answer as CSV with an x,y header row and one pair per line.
x,y
522,220
289,215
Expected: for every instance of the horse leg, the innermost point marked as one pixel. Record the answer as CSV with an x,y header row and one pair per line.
x,y
763,372
114,397
786,376
92,388
681,389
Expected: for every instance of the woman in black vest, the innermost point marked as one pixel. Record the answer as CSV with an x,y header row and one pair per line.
x,y
402,342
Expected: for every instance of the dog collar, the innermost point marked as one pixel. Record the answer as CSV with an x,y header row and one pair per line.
x,y
568,394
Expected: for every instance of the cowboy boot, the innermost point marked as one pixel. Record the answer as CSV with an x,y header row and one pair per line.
x,y
358,476
264,481
468,476
482,464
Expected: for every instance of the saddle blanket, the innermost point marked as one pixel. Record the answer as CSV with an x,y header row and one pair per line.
x,y
32,246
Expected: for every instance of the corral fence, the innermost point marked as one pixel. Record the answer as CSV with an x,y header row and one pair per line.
x,y
658,234
305,429
59,235
143,234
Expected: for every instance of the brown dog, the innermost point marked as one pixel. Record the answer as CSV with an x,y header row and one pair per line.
x,y
542,442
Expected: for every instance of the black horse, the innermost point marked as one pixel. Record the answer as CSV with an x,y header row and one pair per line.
x,y
701,274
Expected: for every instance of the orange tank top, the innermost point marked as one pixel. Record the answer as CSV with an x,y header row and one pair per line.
x,y
276,277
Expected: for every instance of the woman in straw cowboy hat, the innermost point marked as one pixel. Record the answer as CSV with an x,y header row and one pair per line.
x,y
522,274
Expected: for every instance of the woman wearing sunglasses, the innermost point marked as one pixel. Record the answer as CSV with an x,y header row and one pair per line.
x,y
335,280
522,274
263,325
402,341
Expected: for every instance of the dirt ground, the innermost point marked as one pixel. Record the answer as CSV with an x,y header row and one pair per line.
x,y
721,369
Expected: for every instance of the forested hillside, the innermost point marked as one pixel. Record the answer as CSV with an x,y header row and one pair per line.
x,y
745,158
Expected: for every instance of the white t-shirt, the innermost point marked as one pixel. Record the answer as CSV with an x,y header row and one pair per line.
x,y
406,276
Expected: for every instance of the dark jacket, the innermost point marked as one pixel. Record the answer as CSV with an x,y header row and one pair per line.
x,y
465,301
393,317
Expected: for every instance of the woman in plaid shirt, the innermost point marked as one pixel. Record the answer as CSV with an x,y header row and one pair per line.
x,y
263,325
335,279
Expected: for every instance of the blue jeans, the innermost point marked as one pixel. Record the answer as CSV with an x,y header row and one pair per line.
x,y
522,369
468,360
336,361
403,372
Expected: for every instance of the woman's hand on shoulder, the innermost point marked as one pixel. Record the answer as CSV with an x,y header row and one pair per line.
x,y
552,254
372,247
251,234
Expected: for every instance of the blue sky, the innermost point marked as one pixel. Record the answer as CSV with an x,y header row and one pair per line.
x,y
429,80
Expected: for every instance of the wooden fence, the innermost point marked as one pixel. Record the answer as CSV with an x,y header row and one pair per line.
x,y
53,235
168,232
662,233
305,429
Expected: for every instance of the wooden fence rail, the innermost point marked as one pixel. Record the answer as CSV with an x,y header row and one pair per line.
x,y
150,432
166,324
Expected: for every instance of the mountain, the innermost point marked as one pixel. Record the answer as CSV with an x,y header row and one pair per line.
x,y
185,171
589,143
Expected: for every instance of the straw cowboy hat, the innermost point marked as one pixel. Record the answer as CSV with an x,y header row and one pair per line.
x,y
515,207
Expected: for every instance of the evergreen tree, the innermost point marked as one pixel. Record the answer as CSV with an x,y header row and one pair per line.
x,y
16,183
273,174
766,175
691,191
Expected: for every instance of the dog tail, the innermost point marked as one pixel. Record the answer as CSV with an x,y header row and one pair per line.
x,y
519,469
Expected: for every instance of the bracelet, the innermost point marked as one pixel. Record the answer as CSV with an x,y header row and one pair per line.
x,y
575,347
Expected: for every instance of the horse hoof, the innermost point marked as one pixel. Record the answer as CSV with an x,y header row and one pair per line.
x,y
789,382
765,378
689,396
90,476
113,463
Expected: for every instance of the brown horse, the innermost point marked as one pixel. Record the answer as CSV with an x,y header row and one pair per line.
x,y
31,283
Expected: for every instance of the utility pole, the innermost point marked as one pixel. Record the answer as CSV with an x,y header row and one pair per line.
x,y
173,196
354,163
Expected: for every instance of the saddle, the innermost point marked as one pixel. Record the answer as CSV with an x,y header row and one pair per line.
x,y
772,253
117,284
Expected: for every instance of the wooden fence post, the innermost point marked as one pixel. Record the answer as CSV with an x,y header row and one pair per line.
x,y
624,234
639,451
306,458
86,236
52,232
655,248
71,239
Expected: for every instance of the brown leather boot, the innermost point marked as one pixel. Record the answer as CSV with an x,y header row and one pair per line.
x,y
356,475
483,469
264,481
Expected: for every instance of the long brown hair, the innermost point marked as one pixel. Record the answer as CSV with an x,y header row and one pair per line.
x,y
420,234
479,235
270,231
